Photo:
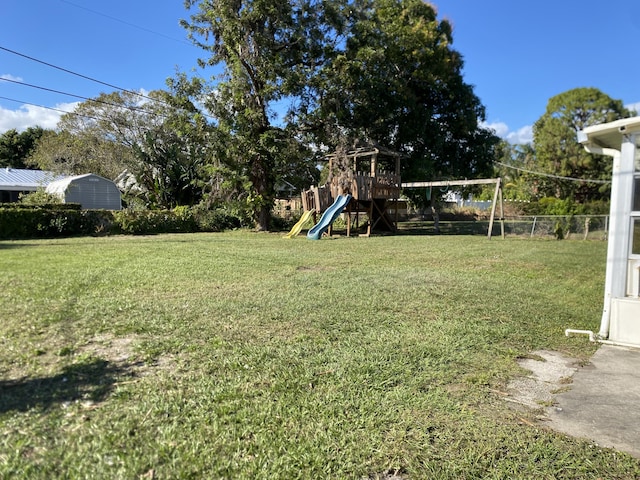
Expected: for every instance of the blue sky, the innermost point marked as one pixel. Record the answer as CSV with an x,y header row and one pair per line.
x,y
517,54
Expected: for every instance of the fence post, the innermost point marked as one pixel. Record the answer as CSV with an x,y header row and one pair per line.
x,y
533,227
587,222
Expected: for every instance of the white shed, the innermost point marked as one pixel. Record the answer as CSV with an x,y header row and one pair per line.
x,y
620,140
91,191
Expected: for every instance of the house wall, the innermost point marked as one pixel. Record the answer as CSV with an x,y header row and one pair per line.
x,y
11,196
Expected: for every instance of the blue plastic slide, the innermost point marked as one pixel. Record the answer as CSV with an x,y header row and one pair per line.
x,y
328,217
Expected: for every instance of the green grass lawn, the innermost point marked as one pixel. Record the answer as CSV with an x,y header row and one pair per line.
x,y
243,355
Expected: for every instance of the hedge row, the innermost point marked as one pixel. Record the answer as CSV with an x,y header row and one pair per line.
x,y
19,222
557,206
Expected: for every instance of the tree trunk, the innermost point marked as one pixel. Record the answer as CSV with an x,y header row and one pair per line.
x,y
263,186
262,218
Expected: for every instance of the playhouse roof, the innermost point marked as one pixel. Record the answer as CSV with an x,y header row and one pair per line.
x,y
18,179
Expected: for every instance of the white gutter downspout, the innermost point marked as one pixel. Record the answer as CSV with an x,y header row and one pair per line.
x,y
612,245
614,237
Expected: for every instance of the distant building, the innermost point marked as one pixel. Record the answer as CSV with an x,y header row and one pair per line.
x,y
14,181
92,192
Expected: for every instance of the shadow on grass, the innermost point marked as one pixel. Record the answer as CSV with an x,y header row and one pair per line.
x,y
6,244
478,227
92,380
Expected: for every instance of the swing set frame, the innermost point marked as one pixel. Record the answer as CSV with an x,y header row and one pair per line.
x,y
497,195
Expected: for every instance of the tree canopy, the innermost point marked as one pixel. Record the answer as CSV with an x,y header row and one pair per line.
x,y
558,152
158,139
283,83
382,71
398,82
15,148
268,49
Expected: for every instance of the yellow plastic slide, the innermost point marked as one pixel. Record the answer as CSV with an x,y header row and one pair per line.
x,y
298,226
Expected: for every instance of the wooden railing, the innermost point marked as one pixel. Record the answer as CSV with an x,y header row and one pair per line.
x,y
383,186
361,186
317,198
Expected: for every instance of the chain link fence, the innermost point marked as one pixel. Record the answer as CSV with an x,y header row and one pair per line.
x,y
594,227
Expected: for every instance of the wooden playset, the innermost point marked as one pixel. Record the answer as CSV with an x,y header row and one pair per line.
x,y
371,175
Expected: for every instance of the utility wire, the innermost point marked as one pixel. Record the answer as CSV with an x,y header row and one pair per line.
x,y
127,23
48,108
559,177
77,74
86,77
133,109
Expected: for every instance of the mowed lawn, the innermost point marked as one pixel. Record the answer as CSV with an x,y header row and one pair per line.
x,y
247,356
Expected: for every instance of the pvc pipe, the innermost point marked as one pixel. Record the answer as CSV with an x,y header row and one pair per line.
x,y
592,337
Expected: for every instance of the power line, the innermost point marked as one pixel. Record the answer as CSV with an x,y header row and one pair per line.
x,y
559,177
48,108
134,109
86,77
127,23
75,73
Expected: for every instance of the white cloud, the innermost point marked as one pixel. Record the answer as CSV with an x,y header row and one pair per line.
x,y
31,116
520,136
27,115
8,76
633,106
499,128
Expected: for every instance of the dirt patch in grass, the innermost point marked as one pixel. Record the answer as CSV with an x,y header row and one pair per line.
x,y
121,351
551,373
110,348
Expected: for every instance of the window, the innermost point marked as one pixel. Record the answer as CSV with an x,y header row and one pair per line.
x,y
635,239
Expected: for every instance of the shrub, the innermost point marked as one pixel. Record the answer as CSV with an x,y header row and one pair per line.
x,y
60,220
97,222
179,220
557,206
39,197
46,221
145,222
281,224
215,220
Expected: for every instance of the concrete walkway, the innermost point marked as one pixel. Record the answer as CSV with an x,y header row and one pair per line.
x,y
603,401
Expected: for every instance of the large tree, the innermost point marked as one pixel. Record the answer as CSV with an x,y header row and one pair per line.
x,y
268,49
382,71
558,152
78,152
396,81
159,139
15,147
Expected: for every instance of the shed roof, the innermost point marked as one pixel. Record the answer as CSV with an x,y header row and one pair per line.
x,y
60,185
17,179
